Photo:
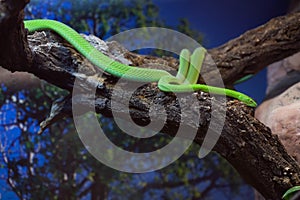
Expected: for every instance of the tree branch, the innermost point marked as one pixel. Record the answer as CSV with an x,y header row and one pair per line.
x,y
257,48
15,53
245,142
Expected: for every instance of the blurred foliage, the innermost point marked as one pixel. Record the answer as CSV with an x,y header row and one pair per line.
x,y
55,165
101,18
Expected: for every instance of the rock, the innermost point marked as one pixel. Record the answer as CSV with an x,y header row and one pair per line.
x,y
282,115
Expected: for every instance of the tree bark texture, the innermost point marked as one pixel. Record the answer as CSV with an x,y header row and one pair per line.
x,y
245,142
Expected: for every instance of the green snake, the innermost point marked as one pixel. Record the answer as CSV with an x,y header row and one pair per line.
x,y
185,80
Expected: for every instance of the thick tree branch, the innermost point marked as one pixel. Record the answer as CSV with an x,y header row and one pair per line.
x,y
257,48
15,52
245,142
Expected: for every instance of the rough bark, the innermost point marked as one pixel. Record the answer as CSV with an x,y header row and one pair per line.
x,y
245,142
257,48
15,52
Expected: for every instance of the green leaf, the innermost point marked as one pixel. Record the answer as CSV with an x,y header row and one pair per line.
x,y
289,194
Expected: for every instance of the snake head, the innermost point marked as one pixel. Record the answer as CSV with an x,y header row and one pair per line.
x,y
247,100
